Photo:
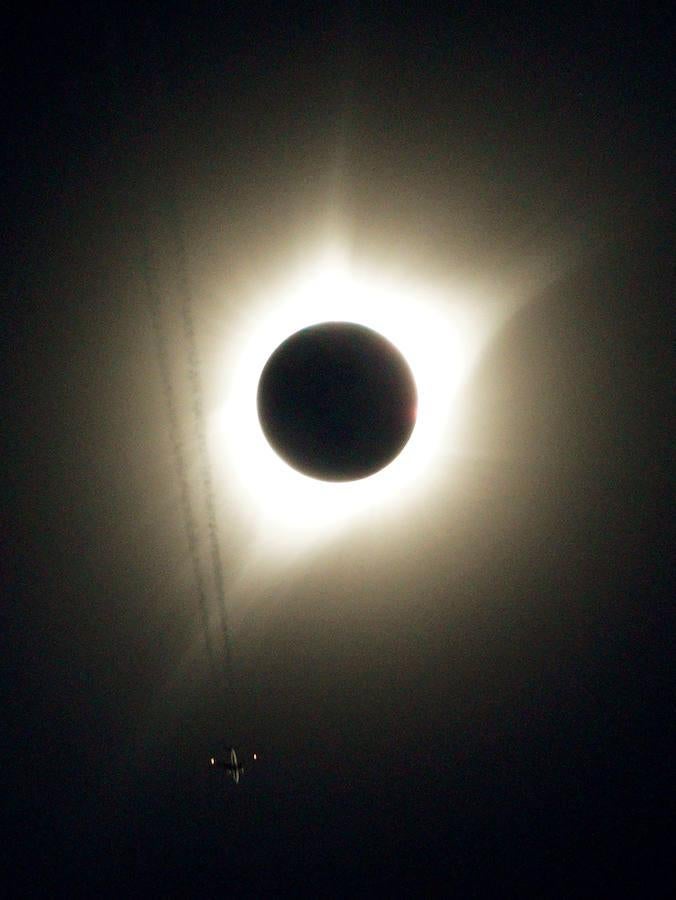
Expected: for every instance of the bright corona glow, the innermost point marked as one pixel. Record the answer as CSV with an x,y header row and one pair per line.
x,y
435,332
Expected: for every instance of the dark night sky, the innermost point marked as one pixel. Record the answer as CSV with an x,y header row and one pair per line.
x,y
474,698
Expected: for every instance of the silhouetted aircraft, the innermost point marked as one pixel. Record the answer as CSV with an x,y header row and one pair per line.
x,y
231,765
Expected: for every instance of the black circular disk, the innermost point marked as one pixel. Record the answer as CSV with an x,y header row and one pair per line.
x,y
337,401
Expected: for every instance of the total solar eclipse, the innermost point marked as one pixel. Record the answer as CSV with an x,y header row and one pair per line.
x,y
337,401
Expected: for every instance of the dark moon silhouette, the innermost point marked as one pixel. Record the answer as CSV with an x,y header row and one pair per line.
x,y
337,401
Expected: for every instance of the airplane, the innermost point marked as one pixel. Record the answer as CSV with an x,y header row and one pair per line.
x,y
231,765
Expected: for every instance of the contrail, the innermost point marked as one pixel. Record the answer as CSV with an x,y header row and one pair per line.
x,y
157,89
154,304
197,402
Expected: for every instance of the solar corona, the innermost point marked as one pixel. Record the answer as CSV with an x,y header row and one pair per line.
x,y
338,394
